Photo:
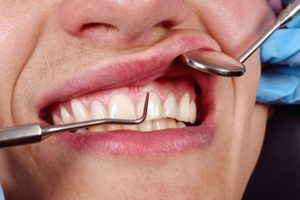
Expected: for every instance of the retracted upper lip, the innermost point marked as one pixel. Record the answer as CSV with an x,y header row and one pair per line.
x,y
138,67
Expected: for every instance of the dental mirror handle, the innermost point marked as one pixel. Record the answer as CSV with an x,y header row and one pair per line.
x,y
285,16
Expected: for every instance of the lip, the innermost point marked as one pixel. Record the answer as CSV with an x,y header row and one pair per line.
x,y
134,69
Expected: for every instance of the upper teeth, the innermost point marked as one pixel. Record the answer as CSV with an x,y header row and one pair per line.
x,y
121,106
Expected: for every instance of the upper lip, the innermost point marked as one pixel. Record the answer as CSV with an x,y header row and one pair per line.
x,y
129,69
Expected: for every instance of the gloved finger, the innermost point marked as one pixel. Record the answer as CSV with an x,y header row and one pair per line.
x,y
1,194
295,23
280,85
281,46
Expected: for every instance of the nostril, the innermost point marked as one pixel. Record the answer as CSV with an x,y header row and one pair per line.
x,y
89,26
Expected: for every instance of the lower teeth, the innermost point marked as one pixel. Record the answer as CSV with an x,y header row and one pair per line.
x,y
144,127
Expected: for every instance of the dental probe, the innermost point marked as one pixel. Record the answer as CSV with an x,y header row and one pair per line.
x,y
224,65
33,133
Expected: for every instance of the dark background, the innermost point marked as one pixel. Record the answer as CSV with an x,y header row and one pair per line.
x,y
277,174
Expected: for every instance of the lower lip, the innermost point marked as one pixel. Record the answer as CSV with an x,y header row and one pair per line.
x,y
133,143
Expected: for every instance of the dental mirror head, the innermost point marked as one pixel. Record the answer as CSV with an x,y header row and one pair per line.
x,y
218,63
214,62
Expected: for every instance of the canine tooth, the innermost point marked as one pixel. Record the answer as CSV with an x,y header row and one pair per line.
x,y
65,116
170,107
154,107
193,112
79,111
159,124
181,125
56,119
146,126
171,123
121,106
184,108
98,111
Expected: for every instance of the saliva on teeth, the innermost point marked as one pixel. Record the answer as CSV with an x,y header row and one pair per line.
x,y
169,114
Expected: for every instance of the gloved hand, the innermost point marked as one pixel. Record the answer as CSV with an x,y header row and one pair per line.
x,y
1,194
281,84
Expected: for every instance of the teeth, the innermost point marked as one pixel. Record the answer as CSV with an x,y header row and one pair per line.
x,y
171,123
121,106
146,126
170,107
193,112
79,111
184,108
181,125
65,115
56,119
159,124
154,107
98,111
169,115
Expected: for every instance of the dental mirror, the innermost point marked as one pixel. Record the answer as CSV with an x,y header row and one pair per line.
x,y
218,63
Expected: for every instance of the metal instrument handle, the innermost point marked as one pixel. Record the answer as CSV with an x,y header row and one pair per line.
x,y
20,135
286,15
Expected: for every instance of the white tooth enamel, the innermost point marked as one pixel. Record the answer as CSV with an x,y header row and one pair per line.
x,y
159,124
121,106
130,127
170,107
184,108
56,119
79,111
171,123
82,130
114,127
65,115
98,111
193,112
97,128
146,126
154,107
140,106
181,125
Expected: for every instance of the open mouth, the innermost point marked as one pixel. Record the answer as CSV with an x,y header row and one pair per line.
x,y
172,104
180,111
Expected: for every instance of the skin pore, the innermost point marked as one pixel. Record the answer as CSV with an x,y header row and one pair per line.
x,y
44,43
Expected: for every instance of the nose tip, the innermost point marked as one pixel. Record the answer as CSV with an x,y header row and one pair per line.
x,y
129,19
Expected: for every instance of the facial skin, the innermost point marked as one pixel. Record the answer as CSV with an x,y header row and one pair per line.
x,y
44,43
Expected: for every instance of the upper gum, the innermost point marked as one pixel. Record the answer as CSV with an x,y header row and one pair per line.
x,y
160,87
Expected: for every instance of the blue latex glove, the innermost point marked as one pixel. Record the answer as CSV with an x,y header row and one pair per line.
x,y
1,194
281,84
